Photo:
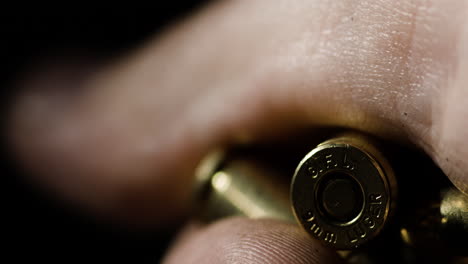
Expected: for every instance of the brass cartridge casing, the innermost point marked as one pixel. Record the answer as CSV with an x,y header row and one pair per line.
x,y
236,186
343,193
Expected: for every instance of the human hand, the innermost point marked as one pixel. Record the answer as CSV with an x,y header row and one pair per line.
x,y
124,141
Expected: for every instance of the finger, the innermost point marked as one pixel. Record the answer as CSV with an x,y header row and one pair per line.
x,y
242,240
128,143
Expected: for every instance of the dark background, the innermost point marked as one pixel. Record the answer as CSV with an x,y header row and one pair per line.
x,y
38,228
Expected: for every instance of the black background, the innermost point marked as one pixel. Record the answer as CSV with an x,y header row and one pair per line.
x,y
38,228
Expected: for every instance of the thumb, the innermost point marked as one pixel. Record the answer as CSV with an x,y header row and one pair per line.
x,y
239,240
127,142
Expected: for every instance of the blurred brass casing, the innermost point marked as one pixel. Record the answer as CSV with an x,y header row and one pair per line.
x,y
236,186
439,226
343,192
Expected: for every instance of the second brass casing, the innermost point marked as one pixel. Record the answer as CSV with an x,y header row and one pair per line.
x,y
237,186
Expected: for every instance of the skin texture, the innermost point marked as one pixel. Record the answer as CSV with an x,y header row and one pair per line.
x,y
246,241
122,138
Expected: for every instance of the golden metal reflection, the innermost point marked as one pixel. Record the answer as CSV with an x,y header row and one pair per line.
x,y
243,188
405,236
221,183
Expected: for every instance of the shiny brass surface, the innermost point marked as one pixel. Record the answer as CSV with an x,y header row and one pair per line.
x,y
242,187
341,192
440,226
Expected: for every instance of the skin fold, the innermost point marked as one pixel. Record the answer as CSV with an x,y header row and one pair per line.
x,y
121,138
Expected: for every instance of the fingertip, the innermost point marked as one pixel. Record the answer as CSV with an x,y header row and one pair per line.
x,y
241,240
